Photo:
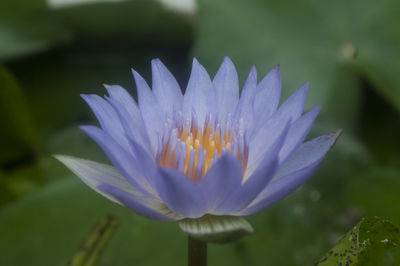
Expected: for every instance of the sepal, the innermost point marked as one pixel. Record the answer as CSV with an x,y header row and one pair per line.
x,y
216,229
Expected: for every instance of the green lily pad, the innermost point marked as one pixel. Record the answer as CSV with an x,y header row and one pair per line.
x,y
30,27
128,21
328,44
49,226
366,244
30,37
18,135
375,191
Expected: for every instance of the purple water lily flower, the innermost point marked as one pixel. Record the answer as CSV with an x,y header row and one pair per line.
x,y
205,154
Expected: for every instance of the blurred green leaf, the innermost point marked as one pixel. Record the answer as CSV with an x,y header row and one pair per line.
x,y
22,180
380,128
18,136
54,92
89,253
366,244
5,194
130,21
73,141
26,177
375,191
28,27
54,88
326,43
29,36
12,10
47,227
70,141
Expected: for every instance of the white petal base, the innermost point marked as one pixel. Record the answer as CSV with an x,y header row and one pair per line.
x,y
216,229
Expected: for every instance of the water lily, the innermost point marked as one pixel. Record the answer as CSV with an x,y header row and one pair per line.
x,y
206,158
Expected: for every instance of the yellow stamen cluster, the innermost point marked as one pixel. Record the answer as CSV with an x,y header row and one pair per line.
x,y
208,141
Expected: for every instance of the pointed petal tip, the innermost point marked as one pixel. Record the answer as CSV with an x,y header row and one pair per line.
x,y
158,61
65,159
272,77
83,127
305,86
331,138
196,66
58,157
85,96
139,80
195,62
301,92
155,63
86,128
134,72
337,133
253,69
317,108
227,65
111,87
252,74
227,59
91,98
136,75
277,68
158,66
276,71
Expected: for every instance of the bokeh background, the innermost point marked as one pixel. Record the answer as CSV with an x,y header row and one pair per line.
x,y
53,50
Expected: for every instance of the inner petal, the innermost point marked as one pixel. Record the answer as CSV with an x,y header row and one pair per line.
x,y
193,149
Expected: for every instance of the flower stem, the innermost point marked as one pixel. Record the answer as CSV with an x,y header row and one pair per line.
x,y
89,253
197,252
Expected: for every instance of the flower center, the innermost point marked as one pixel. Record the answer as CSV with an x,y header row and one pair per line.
x,y
193,150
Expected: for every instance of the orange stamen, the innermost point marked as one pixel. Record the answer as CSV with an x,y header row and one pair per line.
x,y
196,140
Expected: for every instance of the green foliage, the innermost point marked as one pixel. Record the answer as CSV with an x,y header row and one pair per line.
x,y
349,51
29,27
89,253
18,136
375,191
312,41
46,228
366,244
345,55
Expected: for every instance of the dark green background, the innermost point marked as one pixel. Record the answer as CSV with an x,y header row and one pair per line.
x,y
348,50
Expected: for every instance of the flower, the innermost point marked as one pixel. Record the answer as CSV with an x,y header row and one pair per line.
x,y
205,157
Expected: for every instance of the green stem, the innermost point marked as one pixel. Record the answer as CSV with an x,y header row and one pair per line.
x,y
91,250
197,252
